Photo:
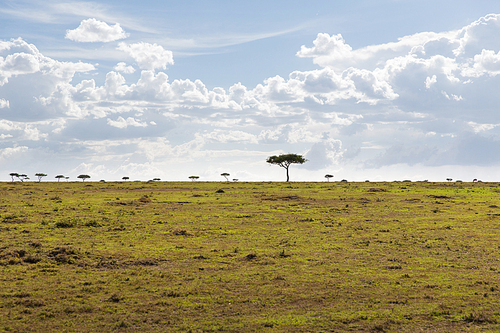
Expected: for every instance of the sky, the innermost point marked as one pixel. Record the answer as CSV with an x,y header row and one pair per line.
x,y
364,90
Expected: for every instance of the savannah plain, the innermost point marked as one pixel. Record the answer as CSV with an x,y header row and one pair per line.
x,y
249,257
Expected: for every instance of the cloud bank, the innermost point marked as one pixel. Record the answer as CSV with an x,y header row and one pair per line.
x,y
424,102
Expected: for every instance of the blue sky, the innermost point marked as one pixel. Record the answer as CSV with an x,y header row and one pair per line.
x,y
380,90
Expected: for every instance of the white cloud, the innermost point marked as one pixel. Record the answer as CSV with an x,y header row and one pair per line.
x,y
92,30
230,137
324,154
8,153
122,67
488,62
429,81
4,103
414,101
124,123
148,56
478,128
325,46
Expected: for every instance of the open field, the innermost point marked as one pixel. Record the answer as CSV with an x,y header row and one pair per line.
x,y
254,257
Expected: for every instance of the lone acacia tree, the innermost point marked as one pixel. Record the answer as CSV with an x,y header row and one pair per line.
x,y
59,177
285,160
40,176
83,177
225,175
328,177
193,178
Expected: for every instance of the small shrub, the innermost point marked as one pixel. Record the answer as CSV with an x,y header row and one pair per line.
x,y
93,223
32,259
145,199
35,244
65,224
115,298
479,318
180,232
250,256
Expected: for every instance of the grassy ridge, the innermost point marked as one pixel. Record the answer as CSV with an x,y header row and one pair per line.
x,y
267,257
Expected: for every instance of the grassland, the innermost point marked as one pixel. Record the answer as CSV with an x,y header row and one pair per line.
x,y
249,257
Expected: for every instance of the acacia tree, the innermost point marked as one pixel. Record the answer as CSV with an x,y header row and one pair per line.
x,y
193,178
40,176
328,177
83,177
59,177
23,177
225,175
285,160
13,174
125,178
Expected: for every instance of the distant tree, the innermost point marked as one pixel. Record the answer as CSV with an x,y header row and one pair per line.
x,y
14,174
449,179
59,177
83,177
235,179
40,176
156,179
225,175
66,178
474,180
23,177
125,178
193,178
285,160
328,177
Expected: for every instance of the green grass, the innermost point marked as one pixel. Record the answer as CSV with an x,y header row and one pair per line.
x,y
254,257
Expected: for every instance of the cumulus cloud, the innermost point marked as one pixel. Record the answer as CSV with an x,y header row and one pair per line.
x,y
122,67
230,136
8,153
326,153
124,123
421,100
148,56
4,103
92,30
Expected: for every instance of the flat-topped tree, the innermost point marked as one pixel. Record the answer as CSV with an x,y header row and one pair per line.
x,y
285,160
23,177
40,176
193,178
83,177
13,174
225,175
328,177
125,178
59,177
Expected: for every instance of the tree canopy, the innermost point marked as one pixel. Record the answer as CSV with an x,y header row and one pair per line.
x,y
83,177
225,175
40,176
285,160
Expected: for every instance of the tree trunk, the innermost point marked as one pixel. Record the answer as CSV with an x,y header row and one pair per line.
x,y
287,176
